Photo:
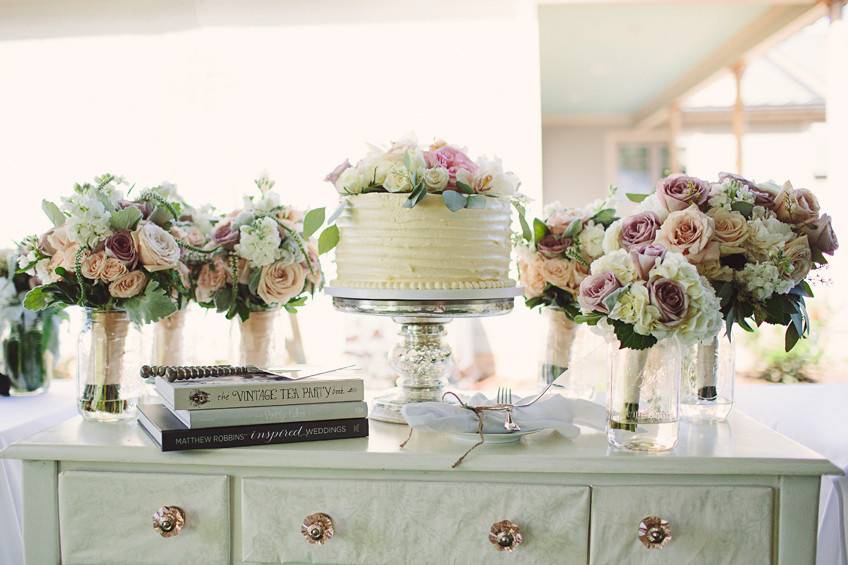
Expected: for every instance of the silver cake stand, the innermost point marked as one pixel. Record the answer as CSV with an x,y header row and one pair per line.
x,y
421,358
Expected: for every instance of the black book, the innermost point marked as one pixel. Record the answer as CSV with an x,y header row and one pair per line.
x,y
173,435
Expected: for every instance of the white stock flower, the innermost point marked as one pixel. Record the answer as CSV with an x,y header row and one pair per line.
x,y
264,205
592,240
725,193
763,280
619,264
259,242
88,223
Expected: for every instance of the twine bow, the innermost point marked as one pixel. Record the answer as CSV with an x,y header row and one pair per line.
x,y
478,413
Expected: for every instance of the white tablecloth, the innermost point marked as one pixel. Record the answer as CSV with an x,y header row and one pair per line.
x,y
19,418
814,416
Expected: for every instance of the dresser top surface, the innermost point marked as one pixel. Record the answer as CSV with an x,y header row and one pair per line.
x,y
740,446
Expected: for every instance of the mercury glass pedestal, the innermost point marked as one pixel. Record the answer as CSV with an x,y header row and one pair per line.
x,y
421,358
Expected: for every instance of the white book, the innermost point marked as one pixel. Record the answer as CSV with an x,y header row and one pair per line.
x,y
223,417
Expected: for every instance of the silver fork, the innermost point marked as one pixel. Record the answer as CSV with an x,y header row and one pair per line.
x,y
505,397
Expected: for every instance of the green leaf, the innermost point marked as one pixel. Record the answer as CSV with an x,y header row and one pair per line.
x,y
573,229
37,299
454,200
744,208
590,319
605,217
477,201
818,257
629,339
150,306
125,219
540,230
791,338
328,239
253,282
312,222
464,187
636,196
418,193
222,299
526,233
335,215
54,214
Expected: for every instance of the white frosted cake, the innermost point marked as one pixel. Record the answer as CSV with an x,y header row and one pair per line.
x,y
384,245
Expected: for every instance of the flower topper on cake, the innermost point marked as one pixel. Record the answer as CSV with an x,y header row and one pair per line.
x,y
555,255
756,242
439,169
260,257
108,252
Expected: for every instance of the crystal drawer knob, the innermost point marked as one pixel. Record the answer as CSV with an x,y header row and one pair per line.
x,y
168,521
317,528
505,535
654,532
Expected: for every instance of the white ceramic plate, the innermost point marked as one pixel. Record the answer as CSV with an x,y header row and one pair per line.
x,y
410,294
494,438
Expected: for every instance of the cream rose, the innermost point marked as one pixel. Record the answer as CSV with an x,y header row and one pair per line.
x,y
129,285
436,179
157,248
689,232
796,206
112,270
212,277
397,179
91,265
558,272
279,283
731,230
530,273
800,257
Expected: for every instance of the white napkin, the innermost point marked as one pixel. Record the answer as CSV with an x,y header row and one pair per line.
x,y
554,412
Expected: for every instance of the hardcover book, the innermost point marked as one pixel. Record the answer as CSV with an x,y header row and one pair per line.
x,y
172,435
271,414
260,390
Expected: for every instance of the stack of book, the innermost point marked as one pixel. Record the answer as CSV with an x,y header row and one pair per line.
x,y
234,411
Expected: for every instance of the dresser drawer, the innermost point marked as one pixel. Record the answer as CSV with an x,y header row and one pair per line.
x,y
709,525
378,521
108,518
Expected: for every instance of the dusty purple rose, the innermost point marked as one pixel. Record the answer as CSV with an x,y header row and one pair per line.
x,y
121,246
645,257
337,172
594,289
226,235
639,230
763,194
553,246
670,299
678,192
821,235
144,207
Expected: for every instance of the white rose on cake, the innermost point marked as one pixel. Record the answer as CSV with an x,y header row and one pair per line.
x,y
492,180
398,179
351,181
436,179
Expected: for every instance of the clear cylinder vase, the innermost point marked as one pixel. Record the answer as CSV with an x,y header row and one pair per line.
x,y
169,346
559,341
259,340
709,374
109,355
30,348
643,399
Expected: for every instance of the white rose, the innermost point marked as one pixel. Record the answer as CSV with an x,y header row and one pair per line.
x,y
351,181
634,307
612,237
592,240
619,263
398,179
436,179
157,249
652,204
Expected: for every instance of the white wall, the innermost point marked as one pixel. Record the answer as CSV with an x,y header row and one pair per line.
x,y
573,165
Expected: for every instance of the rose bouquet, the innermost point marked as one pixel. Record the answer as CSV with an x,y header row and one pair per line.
x,y
116,258
552,262
30,343
439,169
260,257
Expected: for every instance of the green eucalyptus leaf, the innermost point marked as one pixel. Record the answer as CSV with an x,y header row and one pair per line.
x,y
477,201
454,200
328,239
464,187
418,193
636,196
573,229
125,219
54,214
312,221
152,305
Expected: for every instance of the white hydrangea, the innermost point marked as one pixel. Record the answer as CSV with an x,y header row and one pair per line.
x,y
619,264
766,234
763,280
592,239
652,204
612,237
88,221
634,307
260,242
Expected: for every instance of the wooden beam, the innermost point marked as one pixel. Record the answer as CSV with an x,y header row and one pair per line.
x,y
754,115
738,120
777,22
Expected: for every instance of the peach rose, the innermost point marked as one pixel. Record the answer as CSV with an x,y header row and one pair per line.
x,y
799,255
558,272
279,283
212,277
731,230
796,206
112,270
157,248
91,265
129,285
689,232
530,273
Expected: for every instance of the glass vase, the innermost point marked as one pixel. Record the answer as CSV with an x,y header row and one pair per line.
x,y
709,372
109,356
559,341
643,399
169,347
261,340
30,351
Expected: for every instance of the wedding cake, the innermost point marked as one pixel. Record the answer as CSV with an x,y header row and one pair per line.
x,y
424,219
